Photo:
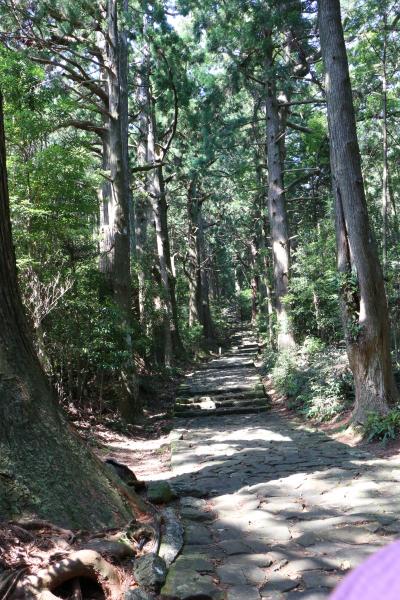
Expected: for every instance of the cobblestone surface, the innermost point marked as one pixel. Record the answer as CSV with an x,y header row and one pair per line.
x,y
272,509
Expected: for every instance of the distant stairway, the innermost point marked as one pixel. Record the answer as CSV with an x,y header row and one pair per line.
x,y
229,384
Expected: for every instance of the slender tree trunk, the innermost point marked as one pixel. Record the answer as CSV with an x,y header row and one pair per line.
x,y
277,208
255,280
199,300
385,174
365,312
193,272
206,318
157,193
142,204
45,469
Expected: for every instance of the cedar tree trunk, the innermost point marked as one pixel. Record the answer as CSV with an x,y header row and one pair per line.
x,y
365,311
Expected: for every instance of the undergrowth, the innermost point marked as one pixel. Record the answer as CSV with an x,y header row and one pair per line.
x,y
383,427
315,379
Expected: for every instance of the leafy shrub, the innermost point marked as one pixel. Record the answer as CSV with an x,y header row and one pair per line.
x,y
382,427
315,379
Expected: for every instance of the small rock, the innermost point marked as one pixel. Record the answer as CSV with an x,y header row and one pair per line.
x,y
231,574
138,594
241,592
160,492
172,537
150,571
175,435
197,534
186,584
278,583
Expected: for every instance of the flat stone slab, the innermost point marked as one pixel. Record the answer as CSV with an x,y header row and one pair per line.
x,y
243,592
182,581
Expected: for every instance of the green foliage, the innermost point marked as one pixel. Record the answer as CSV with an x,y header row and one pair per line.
x,y
192,337
383,427
315,379
314,287
244,299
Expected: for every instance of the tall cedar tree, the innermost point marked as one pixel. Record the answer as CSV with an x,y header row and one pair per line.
x,y
364,305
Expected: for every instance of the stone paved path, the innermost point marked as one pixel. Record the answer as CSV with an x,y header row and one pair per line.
x,y
273,510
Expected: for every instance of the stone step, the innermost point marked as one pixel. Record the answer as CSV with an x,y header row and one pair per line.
x,y
246,395
236,349
208,404
230,362
191,391
221,411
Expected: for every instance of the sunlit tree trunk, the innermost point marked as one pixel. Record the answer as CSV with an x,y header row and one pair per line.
x,y
275,130
385,173
116,204
365,312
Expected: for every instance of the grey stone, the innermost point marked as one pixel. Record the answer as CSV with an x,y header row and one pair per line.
x,y
150,571
172,536
139,594
197,514
233,547
243,592
196,534
175,435
184,488
307,539
195,562
181,583
318,579
312,563
321,594
278,582
160,492
231,574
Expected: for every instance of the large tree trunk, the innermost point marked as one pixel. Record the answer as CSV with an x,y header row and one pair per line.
x,y
45,469
277,207
115,206
365,311
114,219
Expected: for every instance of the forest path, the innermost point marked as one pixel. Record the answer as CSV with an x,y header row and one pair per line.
x,y
274,510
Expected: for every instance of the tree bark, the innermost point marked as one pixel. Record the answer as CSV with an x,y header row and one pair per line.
x,y
199,301
45,469
365,312
116,203
142,204
275,131
193,272
385,173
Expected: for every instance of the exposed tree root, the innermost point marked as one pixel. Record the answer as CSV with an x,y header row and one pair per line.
x,y
76,555
83,563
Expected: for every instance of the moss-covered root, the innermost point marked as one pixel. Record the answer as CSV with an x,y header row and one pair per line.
x,y
83,563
